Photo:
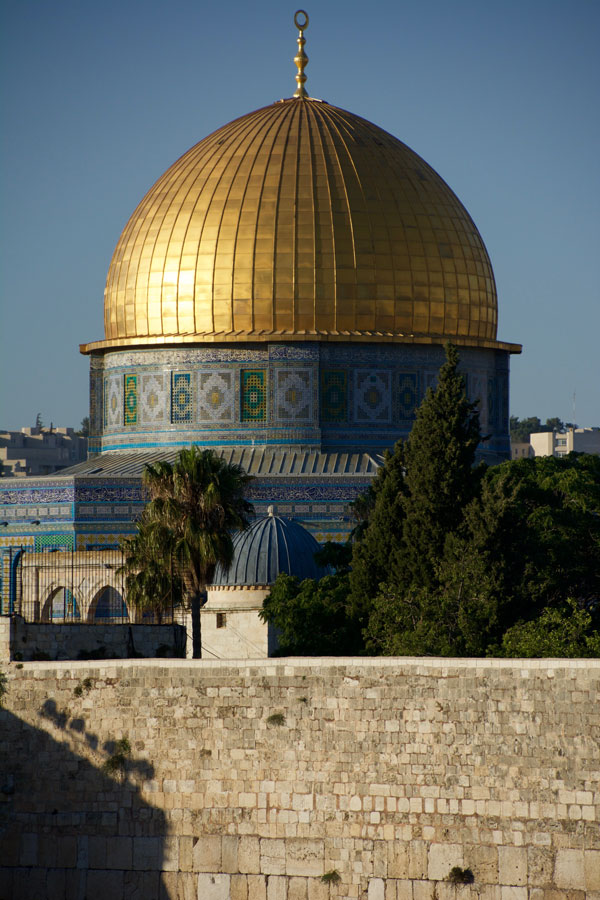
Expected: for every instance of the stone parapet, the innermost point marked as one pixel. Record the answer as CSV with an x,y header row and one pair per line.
x,y
257,779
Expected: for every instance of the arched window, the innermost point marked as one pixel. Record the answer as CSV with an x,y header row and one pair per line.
x,y
61,606
108,606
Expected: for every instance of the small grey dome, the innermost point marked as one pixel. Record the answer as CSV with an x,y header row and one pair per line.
x,y
270,546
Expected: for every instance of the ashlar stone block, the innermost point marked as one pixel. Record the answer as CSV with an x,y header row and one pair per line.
x,y
304,857
207,854
513,893
591,865
229,850
376,889
213,887
249,855
443,858
512,865
276,887
297,889
272,856
569,869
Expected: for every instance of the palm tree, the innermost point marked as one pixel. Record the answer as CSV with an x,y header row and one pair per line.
x,y
153,584
194,506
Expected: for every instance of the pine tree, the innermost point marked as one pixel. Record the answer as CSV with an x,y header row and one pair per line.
x,y
420,499
439,480
421,491
379,535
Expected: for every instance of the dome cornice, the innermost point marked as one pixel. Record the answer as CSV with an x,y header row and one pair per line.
x,y
274,337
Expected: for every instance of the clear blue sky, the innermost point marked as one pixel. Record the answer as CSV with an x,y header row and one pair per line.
x,y
98,99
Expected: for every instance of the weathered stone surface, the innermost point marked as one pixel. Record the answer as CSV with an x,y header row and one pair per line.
x,y
391,772
304,857
214,887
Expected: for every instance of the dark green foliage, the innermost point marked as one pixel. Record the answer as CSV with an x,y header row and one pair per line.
x,y
547,540
336,556
520,429
460,876
456,616
439,480
565,631
84,686
117,762
380,535
3,688
455,560
402,566
154,584
98,653
276,719
312,617
84,428
331,877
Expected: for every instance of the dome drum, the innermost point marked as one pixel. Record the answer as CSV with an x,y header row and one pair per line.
x,y
357,397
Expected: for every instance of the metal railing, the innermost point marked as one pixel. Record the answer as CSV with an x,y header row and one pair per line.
x,y
65,586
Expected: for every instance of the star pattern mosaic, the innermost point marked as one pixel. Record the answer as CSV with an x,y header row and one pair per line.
x,y
334,395
215,396
131,399
113,400
181,397
408,395
153,397
253,395
294,395
372,396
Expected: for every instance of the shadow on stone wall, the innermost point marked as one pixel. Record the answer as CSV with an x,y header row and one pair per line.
x,y
70,828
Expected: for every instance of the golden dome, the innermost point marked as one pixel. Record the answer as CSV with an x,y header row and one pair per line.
x,y
300,221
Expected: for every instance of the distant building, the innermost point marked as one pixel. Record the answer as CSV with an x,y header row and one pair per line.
x,y
556,443
520,450
40,451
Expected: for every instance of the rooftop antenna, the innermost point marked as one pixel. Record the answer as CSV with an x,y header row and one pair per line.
x,y
301,59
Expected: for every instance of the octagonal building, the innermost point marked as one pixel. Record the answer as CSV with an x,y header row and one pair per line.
x,y
282,294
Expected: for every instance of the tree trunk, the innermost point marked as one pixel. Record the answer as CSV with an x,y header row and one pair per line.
x,y
196,629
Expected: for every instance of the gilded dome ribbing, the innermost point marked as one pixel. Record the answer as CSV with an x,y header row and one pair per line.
x,y
299,221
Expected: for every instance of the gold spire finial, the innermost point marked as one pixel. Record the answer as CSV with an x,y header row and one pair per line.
x,y
301,59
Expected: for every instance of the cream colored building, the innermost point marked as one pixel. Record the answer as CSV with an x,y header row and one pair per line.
x,y
40,451
556,443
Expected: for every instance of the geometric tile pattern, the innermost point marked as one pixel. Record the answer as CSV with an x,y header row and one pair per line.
x,y
334,395
181,397
492,403
54,542
113,400
372,396
131,399
294,395
503,404
215,396
475,389
153,397
408,394
253,395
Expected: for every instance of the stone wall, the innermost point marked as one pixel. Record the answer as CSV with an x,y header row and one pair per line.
x,y
252,781
21,640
